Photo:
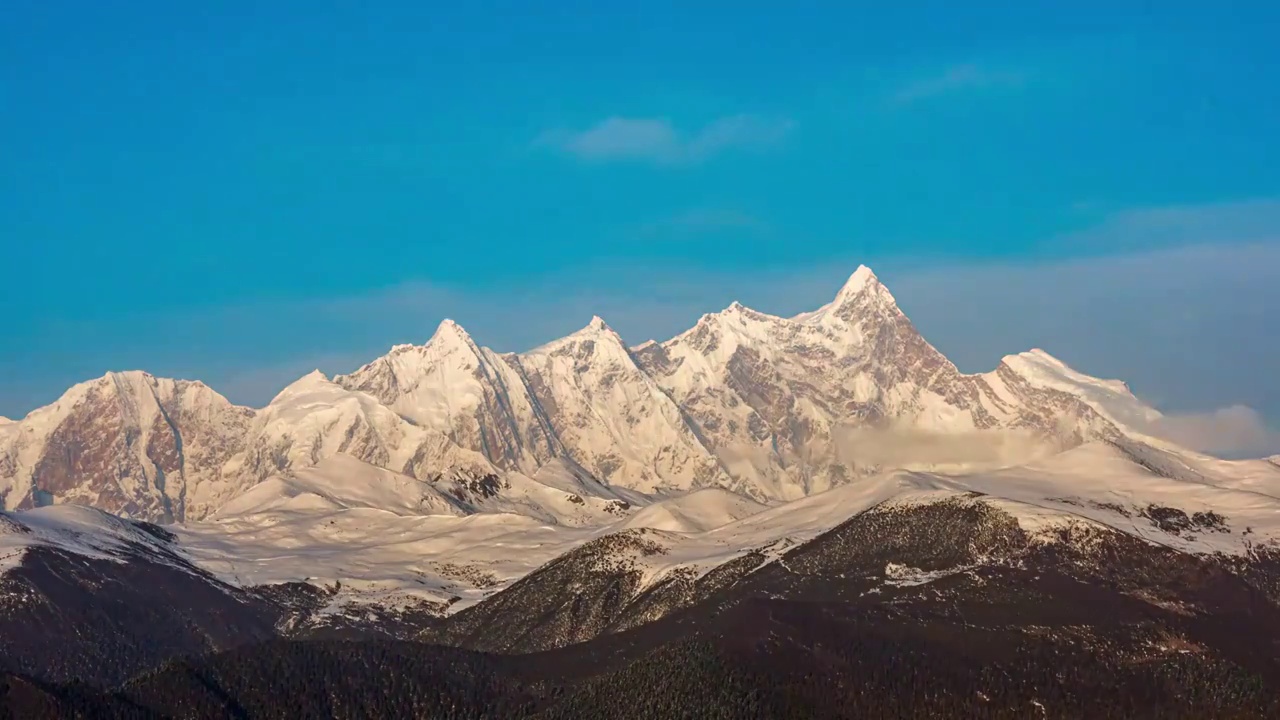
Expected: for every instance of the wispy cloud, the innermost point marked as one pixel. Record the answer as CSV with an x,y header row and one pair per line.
x,y
955,79
1234,431
1235,221
657,140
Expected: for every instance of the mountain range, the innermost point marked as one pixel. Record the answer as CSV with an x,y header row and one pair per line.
x,y
610,507
772,408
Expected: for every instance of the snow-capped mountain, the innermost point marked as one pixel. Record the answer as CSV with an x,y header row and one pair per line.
x,y
466,393
787,404
774,408
127,443
317,422
315,418
626,504
613,418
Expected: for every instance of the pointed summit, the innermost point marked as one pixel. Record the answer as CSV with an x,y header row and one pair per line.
x,y
448,328
450,334
862,292
596,327
864,289
741,313
860,280
596,331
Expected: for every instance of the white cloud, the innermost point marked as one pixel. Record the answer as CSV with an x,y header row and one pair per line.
x,y
1235,431
656,140
957,78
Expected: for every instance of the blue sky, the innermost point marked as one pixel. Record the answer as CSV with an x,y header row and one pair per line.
x,y
244,193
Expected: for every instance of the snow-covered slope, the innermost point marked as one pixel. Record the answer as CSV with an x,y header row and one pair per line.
x,y
464,392
341,482
379,538
77,530
612,418
375,556
695,512
1111,398
314,418
1094,486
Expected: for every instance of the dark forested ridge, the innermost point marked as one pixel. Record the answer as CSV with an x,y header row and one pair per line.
x,y
69,617
938,610
762,659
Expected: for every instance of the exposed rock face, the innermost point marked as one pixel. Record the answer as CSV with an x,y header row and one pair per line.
x,y
128,443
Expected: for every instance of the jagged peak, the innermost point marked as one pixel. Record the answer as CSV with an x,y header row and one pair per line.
x,y
862,288
860,277
596,330
741,313
450,332
407,363
862,280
